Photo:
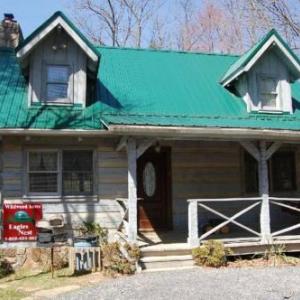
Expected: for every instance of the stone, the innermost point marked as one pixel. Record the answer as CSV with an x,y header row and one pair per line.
x,y
10,252
21,251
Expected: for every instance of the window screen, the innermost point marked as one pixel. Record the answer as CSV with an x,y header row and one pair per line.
x,y
57,83
42,172
268,92
77,172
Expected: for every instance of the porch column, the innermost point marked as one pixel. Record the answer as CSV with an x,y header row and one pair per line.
x,y
132,190
265,224
193,238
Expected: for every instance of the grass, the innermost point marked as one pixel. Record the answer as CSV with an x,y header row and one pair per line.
x,y
11,294
27,282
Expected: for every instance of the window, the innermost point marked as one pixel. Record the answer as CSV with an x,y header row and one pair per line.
x,y
251,174
57,83
268,92
74,176
43,172
77,172
283,171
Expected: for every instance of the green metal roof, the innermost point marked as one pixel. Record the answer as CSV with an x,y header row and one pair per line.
x,y
142,87
246,57
165,88
14,110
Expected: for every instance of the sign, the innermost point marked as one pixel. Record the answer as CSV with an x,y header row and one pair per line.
x,y
19,221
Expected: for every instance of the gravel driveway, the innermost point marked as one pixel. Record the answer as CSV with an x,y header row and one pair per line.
x,y
258,283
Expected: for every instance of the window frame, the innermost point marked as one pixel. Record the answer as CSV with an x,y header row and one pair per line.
x,y
291,152
270,173
267,108
60,192
28,172
88,172
59,101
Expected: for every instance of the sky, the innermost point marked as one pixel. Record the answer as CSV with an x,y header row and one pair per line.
x,y
31,13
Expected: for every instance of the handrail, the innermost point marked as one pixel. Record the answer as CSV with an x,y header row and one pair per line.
x,y
225,199
284,199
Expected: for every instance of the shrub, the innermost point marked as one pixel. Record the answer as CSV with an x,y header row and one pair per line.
x,y
5,267
118,258
211,254
92,228
276,254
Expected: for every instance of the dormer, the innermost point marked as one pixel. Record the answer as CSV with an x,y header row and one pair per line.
x,y
263,76
59,63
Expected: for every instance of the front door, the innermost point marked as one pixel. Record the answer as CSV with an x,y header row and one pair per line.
x,y
153,178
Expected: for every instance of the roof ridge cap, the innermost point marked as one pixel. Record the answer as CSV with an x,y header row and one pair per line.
x,y
166,51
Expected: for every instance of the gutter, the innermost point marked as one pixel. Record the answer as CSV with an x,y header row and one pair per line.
x,y
53,132
167,132
205,132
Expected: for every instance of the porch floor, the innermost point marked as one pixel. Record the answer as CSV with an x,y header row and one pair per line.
x,y
177,241
162,241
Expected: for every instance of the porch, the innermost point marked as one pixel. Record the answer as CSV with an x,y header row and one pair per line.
x,y
245,224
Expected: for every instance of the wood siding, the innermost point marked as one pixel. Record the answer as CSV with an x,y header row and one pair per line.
x,y
203,170
199,170
110,176
271,65
72,56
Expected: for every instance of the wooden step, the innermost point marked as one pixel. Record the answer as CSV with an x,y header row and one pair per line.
x,y
164,252
166,262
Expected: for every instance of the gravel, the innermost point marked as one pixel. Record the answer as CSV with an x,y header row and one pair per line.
x,y
228,283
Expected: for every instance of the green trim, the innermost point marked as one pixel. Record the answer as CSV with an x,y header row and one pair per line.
x,y
245,58
65,106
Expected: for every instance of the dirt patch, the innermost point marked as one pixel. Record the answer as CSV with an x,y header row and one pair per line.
x,y
256,262
55,292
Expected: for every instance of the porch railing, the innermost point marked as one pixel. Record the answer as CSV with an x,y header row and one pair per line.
x,y
264,237
289,205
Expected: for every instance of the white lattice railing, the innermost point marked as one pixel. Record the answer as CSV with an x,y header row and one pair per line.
x,y
193,221
288,204
264,236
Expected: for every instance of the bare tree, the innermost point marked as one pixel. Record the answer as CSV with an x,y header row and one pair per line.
x,y
185,34
142,11
115,22
229,26
285,15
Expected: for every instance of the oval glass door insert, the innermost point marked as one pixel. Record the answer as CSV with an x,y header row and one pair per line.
x,y
149,179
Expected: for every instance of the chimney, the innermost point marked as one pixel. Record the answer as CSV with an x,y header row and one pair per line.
x,y
10,32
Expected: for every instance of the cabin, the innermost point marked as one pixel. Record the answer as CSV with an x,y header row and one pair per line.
x,y
163,148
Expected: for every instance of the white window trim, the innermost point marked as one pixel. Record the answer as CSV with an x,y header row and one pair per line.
x,y
59,193
270,109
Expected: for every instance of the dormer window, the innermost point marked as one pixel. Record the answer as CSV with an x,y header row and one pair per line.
x,y
268,92
57,59
57,84
262,77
